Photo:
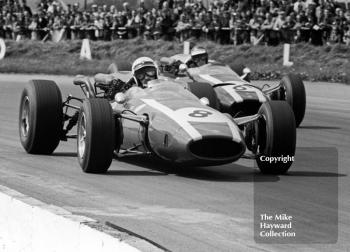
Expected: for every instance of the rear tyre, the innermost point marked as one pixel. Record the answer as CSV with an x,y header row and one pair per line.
x,y
96,136
276,137
203,89
40,117
293,91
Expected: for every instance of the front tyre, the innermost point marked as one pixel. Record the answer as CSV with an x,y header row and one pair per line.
x,y
96,131
293,91
276,137
40,117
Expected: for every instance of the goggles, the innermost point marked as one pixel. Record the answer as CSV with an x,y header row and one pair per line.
x,y
150,72
200,58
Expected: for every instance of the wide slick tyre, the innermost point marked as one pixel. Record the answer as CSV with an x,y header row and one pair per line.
x,y
40,117
203,89
295,95
276,137
96,136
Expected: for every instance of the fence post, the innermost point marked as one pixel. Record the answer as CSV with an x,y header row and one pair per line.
x,y
186,47
286,52
2,48
85,52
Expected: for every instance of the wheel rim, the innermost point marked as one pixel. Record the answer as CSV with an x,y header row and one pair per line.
x,y
25,124
261,134
82,136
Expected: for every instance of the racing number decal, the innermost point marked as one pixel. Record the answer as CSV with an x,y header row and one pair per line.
x,y
185,116
241,92
200,113
240,88
245,92
195,114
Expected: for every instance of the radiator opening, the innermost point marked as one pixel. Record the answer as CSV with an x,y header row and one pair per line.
x,y
215,148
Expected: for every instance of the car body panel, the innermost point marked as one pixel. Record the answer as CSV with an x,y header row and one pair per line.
x,y
177,122
232,91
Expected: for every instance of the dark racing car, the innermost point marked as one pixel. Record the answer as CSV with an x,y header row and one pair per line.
x,y
233,91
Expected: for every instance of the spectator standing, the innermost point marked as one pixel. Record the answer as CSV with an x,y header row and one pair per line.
x,y
183,27
131,25
225,28
299,5
167,30
77,26
277,28
25,7
254,25
25,22
149,25
33,27
197,25
288,30
267,27
98,25
347,36
107,25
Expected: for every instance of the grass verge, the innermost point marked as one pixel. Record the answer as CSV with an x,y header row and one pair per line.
x,y
326,63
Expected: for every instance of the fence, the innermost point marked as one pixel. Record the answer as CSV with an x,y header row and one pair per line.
x,y
314,35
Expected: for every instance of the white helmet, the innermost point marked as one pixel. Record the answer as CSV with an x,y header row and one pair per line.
x,y
141,63
199,55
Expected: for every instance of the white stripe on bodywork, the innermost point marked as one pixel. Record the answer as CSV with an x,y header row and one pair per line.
x,y
260,96
234,130
181,117
227,88
194,134
210,78
138,108
231,91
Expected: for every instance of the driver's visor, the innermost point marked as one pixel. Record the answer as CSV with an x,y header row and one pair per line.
x,y
200,58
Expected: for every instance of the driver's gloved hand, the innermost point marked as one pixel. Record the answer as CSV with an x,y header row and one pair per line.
x,y
115,86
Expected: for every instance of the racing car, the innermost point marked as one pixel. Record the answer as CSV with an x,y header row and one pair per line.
x,y
165,120
235,94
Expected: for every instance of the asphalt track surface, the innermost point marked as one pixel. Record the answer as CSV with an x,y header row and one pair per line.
x,y
198,209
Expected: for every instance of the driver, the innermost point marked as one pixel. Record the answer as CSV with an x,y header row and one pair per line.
x,y
144,69
199,56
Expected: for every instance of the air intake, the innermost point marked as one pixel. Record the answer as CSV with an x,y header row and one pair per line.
x,y
215,148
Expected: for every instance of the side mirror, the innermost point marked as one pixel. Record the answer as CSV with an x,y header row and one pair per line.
x,y
120,98
246,71
204,101
183,68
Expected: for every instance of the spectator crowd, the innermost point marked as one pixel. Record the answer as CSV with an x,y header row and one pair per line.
x,y
227,22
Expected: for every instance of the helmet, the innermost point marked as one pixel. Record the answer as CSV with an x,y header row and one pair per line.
x,y
199,56
144,69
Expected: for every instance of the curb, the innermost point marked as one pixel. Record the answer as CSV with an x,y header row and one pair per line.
x,y
27,224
